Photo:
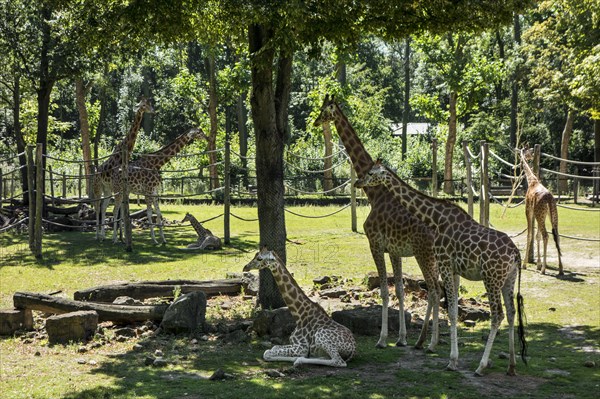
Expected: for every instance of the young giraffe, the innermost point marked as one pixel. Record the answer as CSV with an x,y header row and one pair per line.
x,y
103,179
206,239
464,248
315,333
538,203
390,228
144,179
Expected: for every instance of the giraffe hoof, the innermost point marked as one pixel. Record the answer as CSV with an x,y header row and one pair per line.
x,y
430,350
381,345
451,367
401,343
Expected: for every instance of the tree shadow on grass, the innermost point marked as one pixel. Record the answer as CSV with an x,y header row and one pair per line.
x,y
556,369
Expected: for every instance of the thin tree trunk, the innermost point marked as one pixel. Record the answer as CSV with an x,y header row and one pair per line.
x,y
243,135
328,164
21,145
406,110
80,94
209,63
450,142
564,151
269,157
514,95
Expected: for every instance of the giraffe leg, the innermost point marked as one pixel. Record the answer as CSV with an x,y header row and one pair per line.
x,y
379,258
159,220
285,353
396,261
429,269
149,217
326,341
530,228
497,316
451,283
116,218
509,304
543,234
103,206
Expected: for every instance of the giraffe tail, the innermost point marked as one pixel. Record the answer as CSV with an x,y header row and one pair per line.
x,y
521,314
554,221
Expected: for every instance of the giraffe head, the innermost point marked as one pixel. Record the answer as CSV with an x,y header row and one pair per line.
x,y
526,152
378,175
144,106
195,133
188,217
328,110
264,259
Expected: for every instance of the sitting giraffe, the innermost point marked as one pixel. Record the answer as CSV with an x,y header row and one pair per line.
x,y
316,333
538,203
206,239
464,248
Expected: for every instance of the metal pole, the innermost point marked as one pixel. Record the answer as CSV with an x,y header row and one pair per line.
x,y
51,174
434,179
31,188
468,168
227,192
353,198
484,196
125,201
79,182
1,188
64,185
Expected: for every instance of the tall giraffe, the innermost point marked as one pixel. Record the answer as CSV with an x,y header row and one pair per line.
x,y
464,248
144,179
103,179
206,239
315,333
538,203
390,228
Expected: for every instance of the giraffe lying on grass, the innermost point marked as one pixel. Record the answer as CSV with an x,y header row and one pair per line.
x,y
464,248
316,333
206,239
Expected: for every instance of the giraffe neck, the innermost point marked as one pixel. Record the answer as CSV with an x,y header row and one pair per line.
x,y
159,158
531,177
361,160
116,158
298,303
200,230
432,211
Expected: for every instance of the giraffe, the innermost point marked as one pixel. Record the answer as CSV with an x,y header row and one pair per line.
x,y
390,228
103,179
144,179
464,248
538,203
206,239
315,333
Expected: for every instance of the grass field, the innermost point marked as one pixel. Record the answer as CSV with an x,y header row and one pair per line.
x,y
563,318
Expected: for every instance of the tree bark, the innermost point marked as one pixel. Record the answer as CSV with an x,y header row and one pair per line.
x,y
514,95
269,155
450,142
243,135
106,312
406,110
328,163
80,94
563,186
209,63
21,145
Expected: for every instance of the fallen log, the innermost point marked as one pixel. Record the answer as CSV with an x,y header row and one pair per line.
x,y
159,289
106,312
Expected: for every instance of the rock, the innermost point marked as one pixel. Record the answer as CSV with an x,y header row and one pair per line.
x,y
590,363
335,292
125,332
126,300
73,326
372,280
186,314
159,362
502,355
148,360
367,320
82,349
138,347
158,353
12,320
274,373
219,375
321,281
466,312
236,337
275,323
250,283
470,323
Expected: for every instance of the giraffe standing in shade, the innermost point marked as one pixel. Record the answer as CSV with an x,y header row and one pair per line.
x,y
206,239
104,177
144,179
315,333
538,203
390,228
464,248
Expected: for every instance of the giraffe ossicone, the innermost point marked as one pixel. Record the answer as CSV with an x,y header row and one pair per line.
x,y
316,334
464,248
390,228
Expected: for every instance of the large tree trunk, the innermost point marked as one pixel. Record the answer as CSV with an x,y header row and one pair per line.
x,y
328,164
514,95
450,142
406,110
563,184
269,156
209,63
80,94
243,135
21,145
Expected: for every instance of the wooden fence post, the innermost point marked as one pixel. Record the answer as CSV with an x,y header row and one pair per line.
x,y
353,198
125,201
484,193
227,192
79,182
39,201
1,188
51,175
434,178
64,184
468,168
30,189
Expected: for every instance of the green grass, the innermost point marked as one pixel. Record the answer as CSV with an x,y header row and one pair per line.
x,y
563,318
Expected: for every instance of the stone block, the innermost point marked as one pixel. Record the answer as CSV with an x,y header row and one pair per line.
x,y
73,326
12,320
367,320
186,314
277,323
